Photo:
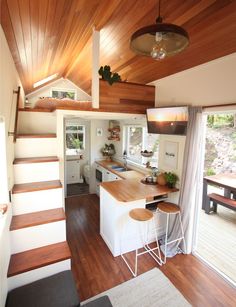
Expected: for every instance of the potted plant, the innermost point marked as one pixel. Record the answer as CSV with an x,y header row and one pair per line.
x,y
106,74
108,151
171,179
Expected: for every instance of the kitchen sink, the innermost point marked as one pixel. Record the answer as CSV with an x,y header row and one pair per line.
x,y
120,169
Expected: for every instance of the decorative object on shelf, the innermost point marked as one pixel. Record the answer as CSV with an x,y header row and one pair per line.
x,y
159,40
161,180
108,151
106,74
146,154
99,131
114,129
171,179
155,172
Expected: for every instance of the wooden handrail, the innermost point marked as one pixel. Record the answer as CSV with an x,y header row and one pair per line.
x,y
14,133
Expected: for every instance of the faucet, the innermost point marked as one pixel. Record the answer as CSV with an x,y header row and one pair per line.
x,y
125,159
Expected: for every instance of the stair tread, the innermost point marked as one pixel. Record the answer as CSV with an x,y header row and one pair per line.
x,y
38,135
38,257
36,186
37,218
36,160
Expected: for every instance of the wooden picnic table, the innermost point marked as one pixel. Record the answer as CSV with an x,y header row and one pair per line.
x,y
227,181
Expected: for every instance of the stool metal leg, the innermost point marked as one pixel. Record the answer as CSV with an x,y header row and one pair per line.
x,y
177,239
150,250
182,231
166,237
147,249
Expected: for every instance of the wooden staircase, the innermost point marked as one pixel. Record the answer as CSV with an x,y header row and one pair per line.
x,y
37,231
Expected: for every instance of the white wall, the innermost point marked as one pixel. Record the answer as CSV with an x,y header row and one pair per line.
x,y
61,84
5,253
9,81
179,141
206,84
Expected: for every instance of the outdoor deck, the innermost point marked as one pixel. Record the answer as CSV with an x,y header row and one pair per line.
x,y
216,240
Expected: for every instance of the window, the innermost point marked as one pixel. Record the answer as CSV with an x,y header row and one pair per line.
x,y
136,140
75,138
63,93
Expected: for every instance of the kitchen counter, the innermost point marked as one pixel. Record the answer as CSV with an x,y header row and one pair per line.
x,y
117,198
130,174
132,189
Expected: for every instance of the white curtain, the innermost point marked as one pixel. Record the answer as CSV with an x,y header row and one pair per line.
x,y
191,183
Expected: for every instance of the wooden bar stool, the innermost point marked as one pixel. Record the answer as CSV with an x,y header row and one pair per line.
x,y
144,217
170,208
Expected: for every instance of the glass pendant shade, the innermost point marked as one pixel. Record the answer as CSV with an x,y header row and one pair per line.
x,y
159,41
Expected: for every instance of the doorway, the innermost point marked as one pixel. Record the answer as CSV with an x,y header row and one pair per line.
x,y
77,157
215,237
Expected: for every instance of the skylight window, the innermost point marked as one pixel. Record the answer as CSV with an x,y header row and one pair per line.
x,y
45,80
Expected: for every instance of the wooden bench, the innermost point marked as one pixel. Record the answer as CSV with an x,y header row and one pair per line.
x,y
220,200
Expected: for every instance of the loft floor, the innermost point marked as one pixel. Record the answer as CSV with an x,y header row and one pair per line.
x,y
96,270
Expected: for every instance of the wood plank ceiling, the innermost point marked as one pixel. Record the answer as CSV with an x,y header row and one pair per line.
x,y
54,36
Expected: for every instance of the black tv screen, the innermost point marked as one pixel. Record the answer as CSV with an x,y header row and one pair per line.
x,y
172,120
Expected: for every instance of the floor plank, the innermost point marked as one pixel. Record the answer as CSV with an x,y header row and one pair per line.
x,y
96,270
215,229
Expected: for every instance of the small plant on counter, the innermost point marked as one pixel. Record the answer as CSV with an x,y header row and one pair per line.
x,y
106,74
171,179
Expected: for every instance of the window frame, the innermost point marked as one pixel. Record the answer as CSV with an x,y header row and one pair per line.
x,y
126,143
74,151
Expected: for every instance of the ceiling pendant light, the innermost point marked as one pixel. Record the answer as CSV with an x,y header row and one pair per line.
x,y
159,40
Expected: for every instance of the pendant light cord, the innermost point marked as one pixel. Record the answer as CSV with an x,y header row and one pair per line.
x,y
159,18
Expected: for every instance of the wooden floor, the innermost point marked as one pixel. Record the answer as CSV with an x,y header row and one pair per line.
x,y
96,270
74,189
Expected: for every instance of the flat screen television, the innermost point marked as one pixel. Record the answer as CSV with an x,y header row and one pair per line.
x,y
171,120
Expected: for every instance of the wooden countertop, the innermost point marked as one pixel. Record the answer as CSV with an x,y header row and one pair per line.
x,y
132,189
130,174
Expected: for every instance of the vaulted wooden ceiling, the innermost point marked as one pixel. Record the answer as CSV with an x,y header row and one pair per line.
x,y
54,36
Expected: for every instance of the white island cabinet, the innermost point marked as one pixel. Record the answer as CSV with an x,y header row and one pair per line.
x,y
117,198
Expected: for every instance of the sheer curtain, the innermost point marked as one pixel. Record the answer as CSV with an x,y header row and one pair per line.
x,y
191,183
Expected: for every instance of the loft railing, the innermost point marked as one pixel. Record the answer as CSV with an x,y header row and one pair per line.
x,y
14,133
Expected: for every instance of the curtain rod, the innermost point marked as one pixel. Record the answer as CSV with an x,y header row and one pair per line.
x,y
219,105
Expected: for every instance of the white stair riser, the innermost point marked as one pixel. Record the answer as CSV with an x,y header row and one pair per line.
x,y
36,122
31,276
32,237
34,172
35,147
36,201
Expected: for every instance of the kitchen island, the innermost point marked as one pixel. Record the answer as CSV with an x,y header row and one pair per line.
x,y
117,198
